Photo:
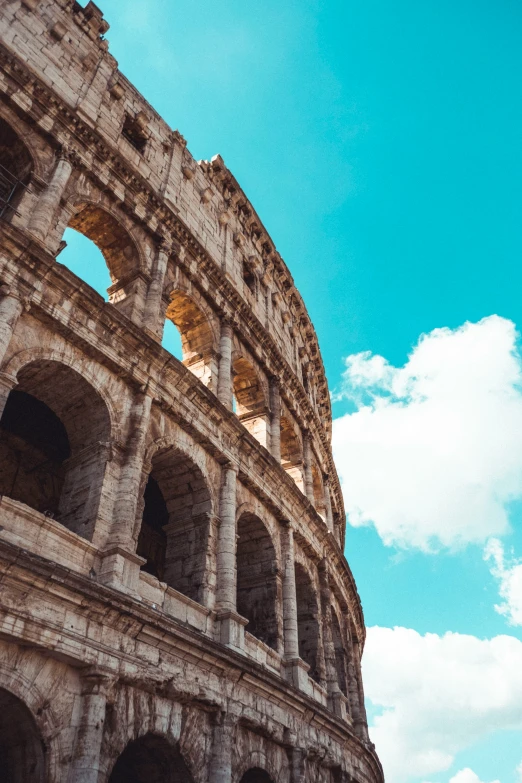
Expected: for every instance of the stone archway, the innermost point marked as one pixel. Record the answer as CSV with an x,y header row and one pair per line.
x,y
151,759
22,754
256,775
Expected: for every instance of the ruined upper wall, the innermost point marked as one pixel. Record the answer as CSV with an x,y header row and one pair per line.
x,y
77,65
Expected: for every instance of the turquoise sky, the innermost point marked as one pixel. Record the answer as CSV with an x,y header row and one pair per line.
x,y
381,144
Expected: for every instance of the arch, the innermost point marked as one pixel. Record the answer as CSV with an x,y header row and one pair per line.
x,y
151,759
22,751
53,432
256,775
257,578
16,166
175,522
258,760
197,337
291,452
307,620
340,653
250,399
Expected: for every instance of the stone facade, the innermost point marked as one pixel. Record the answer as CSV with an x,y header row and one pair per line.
x,y
175,604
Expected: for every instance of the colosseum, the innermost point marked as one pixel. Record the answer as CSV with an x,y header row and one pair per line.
x,y
175,604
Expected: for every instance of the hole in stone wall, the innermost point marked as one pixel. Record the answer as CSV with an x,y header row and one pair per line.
x,y
15,168
256,775
249,278
172,340
197,339
256,579
86,261
307,620
150,759
175,523
134,133
291,452
250,401
52,433
22,755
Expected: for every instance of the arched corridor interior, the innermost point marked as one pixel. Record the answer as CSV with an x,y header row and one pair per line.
x,y
22,758
340,654
52,433
15,168
307,620
175,523
256,579
256,775
196,336
250,401
150,759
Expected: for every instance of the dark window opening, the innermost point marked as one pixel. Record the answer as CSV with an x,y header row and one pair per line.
x,y
15,169
307,621
249,277
152,541
22,752
135,133
256,775
150,759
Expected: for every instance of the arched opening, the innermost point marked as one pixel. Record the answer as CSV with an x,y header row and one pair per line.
x,y
151,759
340,654
52,434
16,166
291,452
22,752
171,340
197,339
319,499
175,523
256,579
118,250
250,401
84,258
256,775
307,620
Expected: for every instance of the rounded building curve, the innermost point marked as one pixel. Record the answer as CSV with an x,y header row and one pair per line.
x,y
177,525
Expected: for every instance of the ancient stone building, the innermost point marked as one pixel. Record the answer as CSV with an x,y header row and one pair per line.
x,y
175,605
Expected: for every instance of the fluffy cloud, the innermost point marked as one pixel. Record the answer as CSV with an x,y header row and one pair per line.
x,y
433,453
438,695
509,574
467,775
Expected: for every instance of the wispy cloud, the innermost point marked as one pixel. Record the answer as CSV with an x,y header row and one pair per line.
x,y
438,695
508,571
432,457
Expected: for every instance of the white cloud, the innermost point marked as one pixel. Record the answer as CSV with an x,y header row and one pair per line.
x,y
439,695
433,454
519,771
467,775
509,574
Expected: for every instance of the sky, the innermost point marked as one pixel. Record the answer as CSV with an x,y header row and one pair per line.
x,y
380,143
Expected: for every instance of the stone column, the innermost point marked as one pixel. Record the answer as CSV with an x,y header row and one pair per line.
x,y
307,467
358,709
152,316
120,567
328,505
85,762
222,742
49,201
10,310
224,385
297,758
275,419
332,684
226,544
291,638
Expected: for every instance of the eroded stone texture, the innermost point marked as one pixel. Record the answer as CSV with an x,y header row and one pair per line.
x,y
175,604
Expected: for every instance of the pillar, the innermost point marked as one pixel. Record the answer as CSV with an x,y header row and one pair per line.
x,y
226,544
275,419
85,762
10,310
222,743
291,638
328,505
152,316
332,685
357,693
224,385
120,566
49,201
297,759
307,467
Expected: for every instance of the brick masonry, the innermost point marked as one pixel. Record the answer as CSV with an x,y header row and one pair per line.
x,y
175,604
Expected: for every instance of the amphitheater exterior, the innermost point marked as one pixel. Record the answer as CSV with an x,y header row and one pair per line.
x,y
175,605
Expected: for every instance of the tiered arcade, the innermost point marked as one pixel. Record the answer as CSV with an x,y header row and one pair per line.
x,y
175,604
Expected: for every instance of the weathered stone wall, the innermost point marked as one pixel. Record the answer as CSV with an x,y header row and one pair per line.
x,y
174,598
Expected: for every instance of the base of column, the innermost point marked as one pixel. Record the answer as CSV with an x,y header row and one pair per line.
x,y
231,629
295,671
338,704
120,570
